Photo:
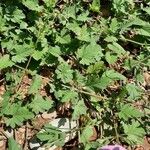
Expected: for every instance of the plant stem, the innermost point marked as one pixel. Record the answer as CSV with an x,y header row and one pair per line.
x,y
84,92
116,132
115,128
135,42
26,137
25,70
4,134
78,90
78,125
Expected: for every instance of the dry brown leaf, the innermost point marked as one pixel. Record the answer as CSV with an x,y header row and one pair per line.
x,y
20,135
49,116
2,91
39,122
144,146
3,145
146,78
24,87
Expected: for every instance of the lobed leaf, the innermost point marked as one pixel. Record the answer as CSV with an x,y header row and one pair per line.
x,y
5,62
128,111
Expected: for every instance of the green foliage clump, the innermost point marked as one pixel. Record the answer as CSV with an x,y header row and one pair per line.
x,y
96,53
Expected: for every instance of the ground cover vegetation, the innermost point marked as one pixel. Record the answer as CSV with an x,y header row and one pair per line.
x,y
86,59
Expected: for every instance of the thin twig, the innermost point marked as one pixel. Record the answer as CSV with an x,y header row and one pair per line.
x,y
4,134
85,92
30,72
127,101
135,42
1,80
146,58
115,128
29,60
78,125
27,65
15,134
25,147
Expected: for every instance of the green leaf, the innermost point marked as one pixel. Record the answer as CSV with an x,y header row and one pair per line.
x,y
90,53
96,68
123,7
86,134
79,109
18,115
115,47
111,74
128,111
114,26
39,104
95,6
66,95
55,51
143,32
32,5
74,27
64,39
139,77
23,25
133,21
22,52
133,91
12,144
80,79
2,24
111,39
129,64
37,55
135,133
36,85
64,72
91,145
96,82
50,3
83,17
5,102
52,135
5,62
147,10
17,16
81,32
49,59
70,12
84,35
110,58
106,79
